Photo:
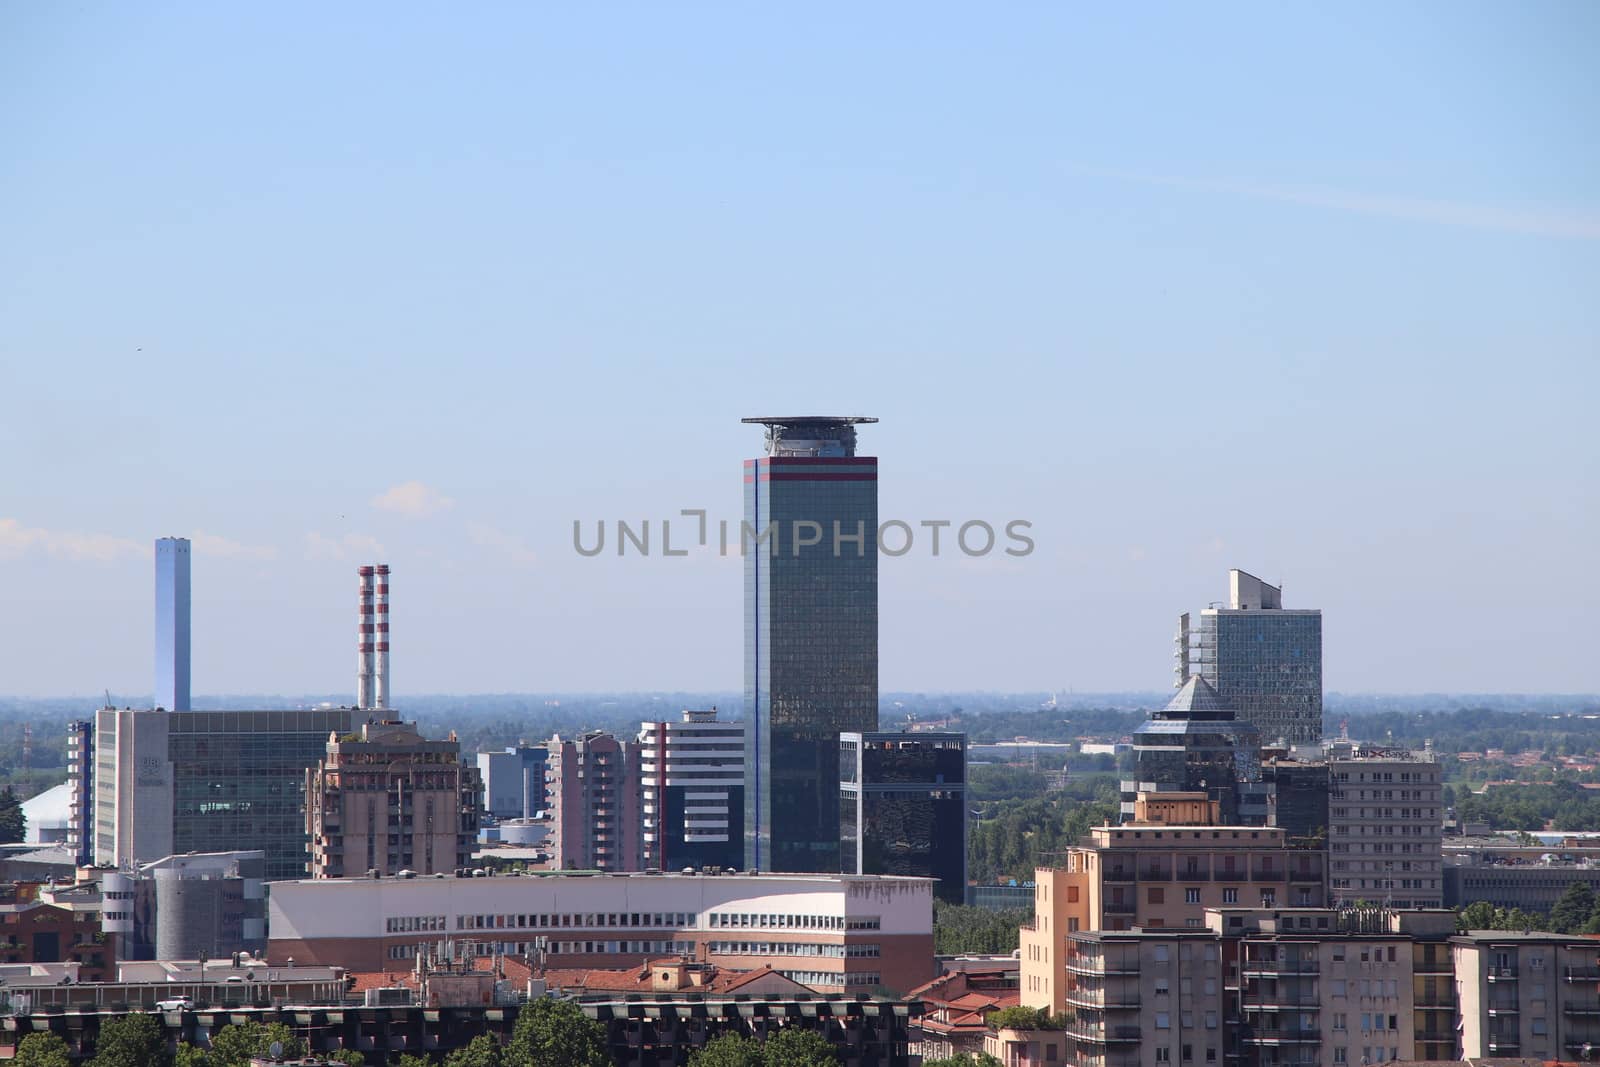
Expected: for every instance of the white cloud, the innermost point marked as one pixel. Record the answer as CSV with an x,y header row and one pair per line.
x,y
350,545
413,499
507,544
1537,223
215,545
19,540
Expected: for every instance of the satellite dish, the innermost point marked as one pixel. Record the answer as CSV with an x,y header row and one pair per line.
x,y
275,1050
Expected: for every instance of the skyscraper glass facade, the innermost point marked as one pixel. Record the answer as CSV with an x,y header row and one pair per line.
x,y
811,636
1267,664
903,807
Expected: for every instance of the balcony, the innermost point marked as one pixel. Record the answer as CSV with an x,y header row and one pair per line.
x,y
1274,968
1582,1011
1121,907
1502,1009
1288,1036
1434,1036
1503,1044
1583,974
1104,1000
1502,974
1104,1035
1306,876
1090,966
1118,874
1268,874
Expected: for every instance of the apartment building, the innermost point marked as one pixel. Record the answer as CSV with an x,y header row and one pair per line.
x,y
1144,998
387,800
1159,875
692,791
593,787
1527,995
834,933
1385,828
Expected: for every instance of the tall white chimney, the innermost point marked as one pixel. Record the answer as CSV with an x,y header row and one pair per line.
x,y
381,693
364,631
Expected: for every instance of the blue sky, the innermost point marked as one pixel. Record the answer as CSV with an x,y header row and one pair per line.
x,y
1307,292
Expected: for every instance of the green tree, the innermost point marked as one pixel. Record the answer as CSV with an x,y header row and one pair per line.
x,y
1574,909
13,824
798,1048
1022,1017
189,1056
348,1056
959,930
729,1050
981,1059
1479,915
483,1051
234,1044
556,1033
131,1041
43,1049
411,1059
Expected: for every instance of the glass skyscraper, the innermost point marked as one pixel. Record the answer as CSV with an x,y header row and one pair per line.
x,y
810,550
1263,660
903,807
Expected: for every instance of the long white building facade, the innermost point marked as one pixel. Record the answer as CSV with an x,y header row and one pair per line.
x,y
831,932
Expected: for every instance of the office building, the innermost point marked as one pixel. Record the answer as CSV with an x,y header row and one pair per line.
x,y
1299,790
1197,743
80,787
692,791
833,933
903,807
810,633
513,781
205,905
1386,828
1161,871
387,800
206,781
1529,996
172,624
592,787
1264,660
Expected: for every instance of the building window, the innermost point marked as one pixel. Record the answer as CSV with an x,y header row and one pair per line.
x,y
1163,1021
1191,896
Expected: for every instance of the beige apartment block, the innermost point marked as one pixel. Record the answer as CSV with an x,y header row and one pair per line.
x,y
1385,830
1145,998
1528,995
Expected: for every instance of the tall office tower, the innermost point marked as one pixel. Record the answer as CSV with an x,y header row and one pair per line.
x,y
1385,827
389,801
810,633
1196,744
206,781
903,807
513,781
80,778
1263,659
692,788
172,623
594,803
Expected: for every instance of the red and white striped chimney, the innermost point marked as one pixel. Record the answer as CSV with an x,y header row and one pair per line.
x,y
364,641
381,692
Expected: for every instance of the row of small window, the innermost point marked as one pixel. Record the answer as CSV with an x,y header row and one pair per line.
x,y
1369,1021
735,920
1389,831
793,948
563,948
1230,895
865,979
1186,1019
1387,813
1385,883
405,924
1369,1054
1164,1054
675,920
1383,846
1186,988
1388,776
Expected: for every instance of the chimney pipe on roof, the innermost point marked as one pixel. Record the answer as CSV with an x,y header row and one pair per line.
x,y
364,640
381,694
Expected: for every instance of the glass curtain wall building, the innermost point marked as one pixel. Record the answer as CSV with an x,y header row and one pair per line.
x,y
903,807
809,542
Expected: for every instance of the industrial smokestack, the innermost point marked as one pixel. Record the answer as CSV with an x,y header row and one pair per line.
x,y
364,631
381,694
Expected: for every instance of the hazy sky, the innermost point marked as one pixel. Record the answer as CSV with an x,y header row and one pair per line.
x,y
1311,292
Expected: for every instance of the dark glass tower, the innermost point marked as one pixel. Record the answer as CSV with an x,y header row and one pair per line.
x,y
1197,743
903,807
810,634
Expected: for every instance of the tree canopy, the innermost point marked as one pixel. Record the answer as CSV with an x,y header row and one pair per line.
x,y
131,1041
556,1033
42,1049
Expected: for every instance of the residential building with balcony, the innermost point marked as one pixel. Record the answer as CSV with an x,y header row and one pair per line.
x,y
1144,998
1159,875
593,785
387,800
1527,995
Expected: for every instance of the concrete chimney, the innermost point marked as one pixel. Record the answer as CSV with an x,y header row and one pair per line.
x,y
364,641
381,693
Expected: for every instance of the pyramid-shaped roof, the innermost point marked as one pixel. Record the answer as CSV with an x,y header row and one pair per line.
x,y
1197,696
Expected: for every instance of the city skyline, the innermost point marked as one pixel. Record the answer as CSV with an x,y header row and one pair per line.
x,y
1089,274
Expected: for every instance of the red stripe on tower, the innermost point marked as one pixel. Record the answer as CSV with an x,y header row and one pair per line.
x,y
380,692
